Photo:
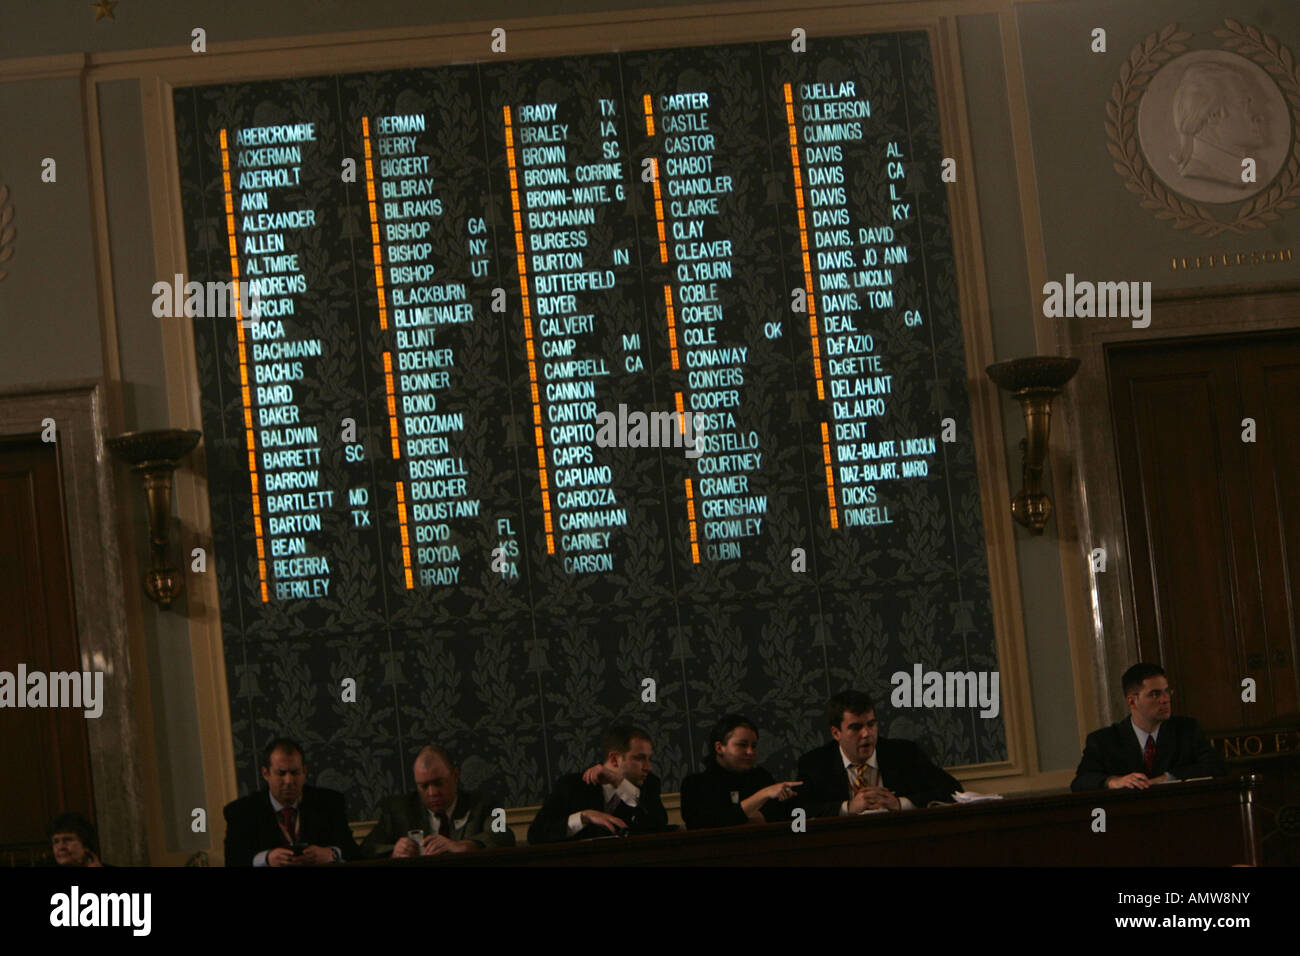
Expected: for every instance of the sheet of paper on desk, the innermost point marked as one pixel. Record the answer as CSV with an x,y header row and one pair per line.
x,y
965,796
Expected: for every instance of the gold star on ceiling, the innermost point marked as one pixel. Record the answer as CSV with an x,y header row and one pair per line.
x,y
104,8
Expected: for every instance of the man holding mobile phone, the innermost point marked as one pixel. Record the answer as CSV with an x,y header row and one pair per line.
x,y
439,816
290,823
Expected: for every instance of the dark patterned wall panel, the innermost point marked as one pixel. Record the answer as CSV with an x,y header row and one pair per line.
x,y
513,647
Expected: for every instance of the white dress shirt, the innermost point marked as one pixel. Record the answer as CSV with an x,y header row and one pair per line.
x,y
433,819
873,780
627,791
1142,736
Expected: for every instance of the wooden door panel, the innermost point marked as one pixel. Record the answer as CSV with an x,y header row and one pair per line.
x,y
1271,381
39,630
1212,521
1168,426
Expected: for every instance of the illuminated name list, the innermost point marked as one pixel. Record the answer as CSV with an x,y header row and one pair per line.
x,y
561,182
693,183
269,162
854,293
569,371
734,250
425,304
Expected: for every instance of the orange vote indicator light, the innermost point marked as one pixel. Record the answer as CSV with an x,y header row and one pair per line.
x,y
374,233
245,395
690,513
810,297
529,347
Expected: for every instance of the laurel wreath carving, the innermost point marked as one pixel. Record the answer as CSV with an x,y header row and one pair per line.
x,y
1121,130
6,229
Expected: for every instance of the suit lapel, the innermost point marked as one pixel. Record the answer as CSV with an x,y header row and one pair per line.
x,y
416,816
271,821
836,764
464,804
1136,759
305,808
1166,744
886,769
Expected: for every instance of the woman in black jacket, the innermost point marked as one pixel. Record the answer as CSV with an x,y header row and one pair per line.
x,y
732,790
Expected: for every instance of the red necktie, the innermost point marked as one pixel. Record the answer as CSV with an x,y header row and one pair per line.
x,y
1149,754
287,814
444,825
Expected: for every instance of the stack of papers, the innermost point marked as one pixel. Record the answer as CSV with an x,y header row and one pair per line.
x,y
965,796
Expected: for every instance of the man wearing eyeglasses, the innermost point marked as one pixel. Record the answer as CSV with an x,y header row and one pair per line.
x,y
1150,746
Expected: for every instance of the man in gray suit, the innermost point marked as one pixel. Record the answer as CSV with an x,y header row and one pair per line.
x,y
444,818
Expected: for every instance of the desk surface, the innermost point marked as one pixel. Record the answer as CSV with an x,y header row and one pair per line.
x,y
1210,823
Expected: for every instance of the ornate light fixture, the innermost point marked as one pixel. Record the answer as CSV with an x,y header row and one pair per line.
x,y
1034,381
156,455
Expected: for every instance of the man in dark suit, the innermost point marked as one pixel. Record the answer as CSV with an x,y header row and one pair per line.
x,y
290,823
620,795
447,818
860,771
1149,745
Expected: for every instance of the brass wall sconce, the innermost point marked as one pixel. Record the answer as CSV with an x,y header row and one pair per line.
x,y
1034,381
156,455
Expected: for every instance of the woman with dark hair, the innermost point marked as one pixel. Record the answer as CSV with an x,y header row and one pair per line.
x,y
74,841
732,791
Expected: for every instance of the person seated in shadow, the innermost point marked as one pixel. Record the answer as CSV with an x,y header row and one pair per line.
x,y
732,791
291,823
438,816
861,772
619,796
75,841
1148,746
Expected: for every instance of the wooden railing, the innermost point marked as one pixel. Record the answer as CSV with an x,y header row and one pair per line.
x,y
1203,823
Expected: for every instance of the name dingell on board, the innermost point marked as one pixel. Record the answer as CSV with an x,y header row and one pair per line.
x,y
556,353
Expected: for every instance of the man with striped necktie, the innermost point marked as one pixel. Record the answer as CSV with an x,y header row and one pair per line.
x,y
860,772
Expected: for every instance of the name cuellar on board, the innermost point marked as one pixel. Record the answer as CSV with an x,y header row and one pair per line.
x,y
683,322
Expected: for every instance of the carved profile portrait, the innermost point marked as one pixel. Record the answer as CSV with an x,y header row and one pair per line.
x,y
1202,115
